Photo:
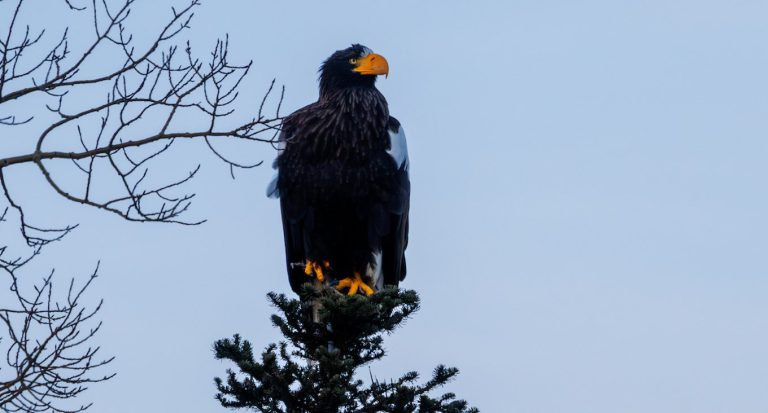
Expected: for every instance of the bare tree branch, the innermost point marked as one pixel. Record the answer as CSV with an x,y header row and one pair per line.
x,y
48,348
45,336
148,97
111,120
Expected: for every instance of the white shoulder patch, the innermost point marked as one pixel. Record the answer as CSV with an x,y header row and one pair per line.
x,y
398,148
272,191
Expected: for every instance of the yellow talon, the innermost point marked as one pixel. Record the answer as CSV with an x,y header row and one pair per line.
x,y
315,268
354,283
366,289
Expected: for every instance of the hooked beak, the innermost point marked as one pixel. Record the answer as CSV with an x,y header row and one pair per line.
x,y
373,64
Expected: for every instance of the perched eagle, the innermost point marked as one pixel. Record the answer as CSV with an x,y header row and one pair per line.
x,y
343,181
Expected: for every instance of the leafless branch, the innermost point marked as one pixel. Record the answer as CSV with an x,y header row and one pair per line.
x,y
104,116
150,97
47,347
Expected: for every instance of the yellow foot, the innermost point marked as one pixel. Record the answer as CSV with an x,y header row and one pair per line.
x,y
354,283
313,268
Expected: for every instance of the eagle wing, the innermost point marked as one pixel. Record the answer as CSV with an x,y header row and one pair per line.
x,y
296,218
396,239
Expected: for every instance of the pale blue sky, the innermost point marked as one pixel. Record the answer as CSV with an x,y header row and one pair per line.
x,y
589,223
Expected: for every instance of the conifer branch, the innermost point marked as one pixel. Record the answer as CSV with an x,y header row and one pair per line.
x,y
314,370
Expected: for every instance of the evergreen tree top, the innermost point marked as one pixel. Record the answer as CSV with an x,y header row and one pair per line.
x,y
313,371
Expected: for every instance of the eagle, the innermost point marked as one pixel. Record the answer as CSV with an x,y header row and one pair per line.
x,y
342,180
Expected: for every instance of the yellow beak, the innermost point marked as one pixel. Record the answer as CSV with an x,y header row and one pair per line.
x,y
373,64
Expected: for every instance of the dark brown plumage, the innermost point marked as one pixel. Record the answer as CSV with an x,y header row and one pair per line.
x,y
343,179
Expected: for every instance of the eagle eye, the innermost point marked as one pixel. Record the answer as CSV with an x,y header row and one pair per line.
x,y
353,61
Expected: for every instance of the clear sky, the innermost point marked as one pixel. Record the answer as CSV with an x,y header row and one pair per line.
x,y
588,224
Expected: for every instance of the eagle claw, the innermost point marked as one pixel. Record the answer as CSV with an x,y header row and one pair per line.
x,y
354,283
313,268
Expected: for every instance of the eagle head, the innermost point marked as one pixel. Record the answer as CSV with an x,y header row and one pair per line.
x,y
354,66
